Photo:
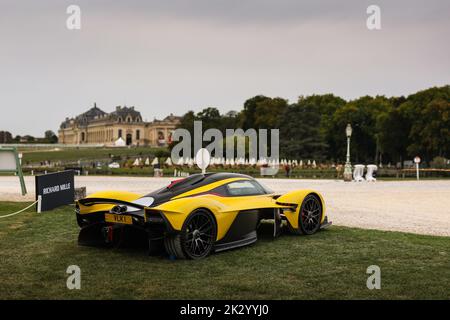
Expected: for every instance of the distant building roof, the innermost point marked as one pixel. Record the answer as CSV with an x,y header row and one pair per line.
x,y
125,112
121,114
96,114
85,118
169,118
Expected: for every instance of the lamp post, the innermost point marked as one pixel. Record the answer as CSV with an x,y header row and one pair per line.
x,y
348,166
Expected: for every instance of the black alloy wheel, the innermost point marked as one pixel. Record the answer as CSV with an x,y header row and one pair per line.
x,y
310,215
196,239
199,235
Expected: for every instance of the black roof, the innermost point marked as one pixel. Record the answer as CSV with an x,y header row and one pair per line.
x,y
216,176
85,118
124,112
95,113
192,182
198,180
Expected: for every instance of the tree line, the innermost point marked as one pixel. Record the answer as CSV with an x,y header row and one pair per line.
x,y
49,137
385,129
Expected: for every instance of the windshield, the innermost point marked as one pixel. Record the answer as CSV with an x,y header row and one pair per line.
x,y
245,188
266,189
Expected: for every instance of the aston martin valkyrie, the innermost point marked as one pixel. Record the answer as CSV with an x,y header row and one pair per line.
x,y
195,216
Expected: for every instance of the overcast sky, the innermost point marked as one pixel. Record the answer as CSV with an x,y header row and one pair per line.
x,y
172,56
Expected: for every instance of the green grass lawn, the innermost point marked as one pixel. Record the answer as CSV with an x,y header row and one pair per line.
x,y
75,154
36,249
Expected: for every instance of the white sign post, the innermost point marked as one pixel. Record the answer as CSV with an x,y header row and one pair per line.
x,y
202,159
417,161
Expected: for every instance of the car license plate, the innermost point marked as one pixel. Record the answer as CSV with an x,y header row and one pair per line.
x,y
117,218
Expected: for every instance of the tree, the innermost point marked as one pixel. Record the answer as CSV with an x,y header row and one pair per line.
x,y
210,118
249,111
230,120
432,130
393,129
326,106
314,127
427,111
361,114
268,113
300,134
50,137
186,122
310,122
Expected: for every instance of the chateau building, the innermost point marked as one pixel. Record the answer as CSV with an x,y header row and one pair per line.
x,y
123,126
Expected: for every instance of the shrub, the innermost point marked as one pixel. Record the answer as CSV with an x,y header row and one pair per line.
x,y
439,163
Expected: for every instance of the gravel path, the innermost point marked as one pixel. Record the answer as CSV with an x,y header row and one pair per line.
x,y
421,207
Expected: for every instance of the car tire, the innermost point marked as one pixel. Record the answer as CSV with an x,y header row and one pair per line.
x,y
196,239
309,217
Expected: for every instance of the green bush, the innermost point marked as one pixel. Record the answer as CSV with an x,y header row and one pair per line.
x,y
439,163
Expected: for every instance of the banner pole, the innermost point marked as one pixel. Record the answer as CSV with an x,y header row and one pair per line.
x,y
39,204
20,173
417,171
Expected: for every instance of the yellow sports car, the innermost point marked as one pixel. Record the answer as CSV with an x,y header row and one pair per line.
x,y
197,215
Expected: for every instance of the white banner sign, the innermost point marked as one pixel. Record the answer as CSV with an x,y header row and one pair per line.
x,y
8,161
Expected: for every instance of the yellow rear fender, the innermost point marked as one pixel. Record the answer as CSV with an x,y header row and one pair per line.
x,y
296,198
113,195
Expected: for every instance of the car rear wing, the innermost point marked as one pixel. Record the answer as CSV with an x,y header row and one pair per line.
x,y
93,201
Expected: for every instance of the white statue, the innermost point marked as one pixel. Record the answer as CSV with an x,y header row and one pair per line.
x,y
358,173
371,169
